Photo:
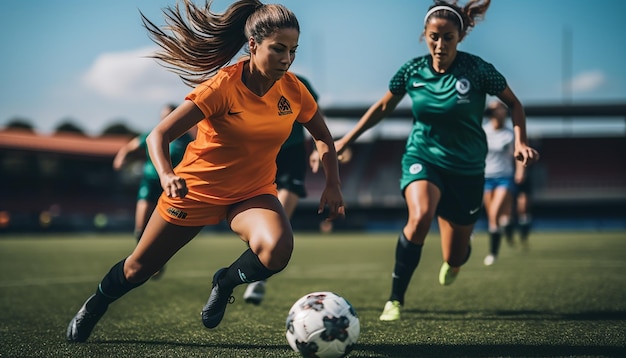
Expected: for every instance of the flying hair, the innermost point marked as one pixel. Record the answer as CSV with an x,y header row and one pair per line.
x,y
197,42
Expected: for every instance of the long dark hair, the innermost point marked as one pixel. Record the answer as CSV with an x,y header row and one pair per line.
x,y
197,42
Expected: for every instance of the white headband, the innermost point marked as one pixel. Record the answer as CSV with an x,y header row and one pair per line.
x,y
443,7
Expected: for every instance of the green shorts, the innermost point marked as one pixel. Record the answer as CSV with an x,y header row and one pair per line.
x,y
461,195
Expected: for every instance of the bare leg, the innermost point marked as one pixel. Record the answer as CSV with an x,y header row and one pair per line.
x,y
288,200
455,241
159,242
262,223
143,211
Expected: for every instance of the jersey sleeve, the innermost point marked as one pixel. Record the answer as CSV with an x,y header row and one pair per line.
x,y
308,86
209,98
308,103
397,84
493,82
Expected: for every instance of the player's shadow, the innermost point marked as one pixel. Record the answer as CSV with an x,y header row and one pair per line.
x,y
237,346
518,315
469,350
495,350
452,315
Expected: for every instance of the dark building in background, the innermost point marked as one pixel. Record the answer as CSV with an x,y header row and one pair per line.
x,y
66,181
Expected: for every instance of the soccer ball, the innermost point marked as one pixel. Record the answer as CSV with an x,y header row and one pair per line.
x,y
322,325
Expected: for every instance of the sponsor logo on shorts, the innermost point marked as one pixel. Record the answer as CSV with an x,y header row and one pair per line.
x,y
177,213
474,211
415,168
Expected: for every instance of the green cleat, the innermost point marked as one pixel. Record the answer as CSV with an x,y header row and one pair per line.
x,y
448,274
391,312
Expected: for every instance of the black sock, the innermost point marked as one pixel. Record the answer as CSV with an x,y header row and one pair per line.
x,y
408,257
508,231
113,286
494,242
524,227
469,253
246,269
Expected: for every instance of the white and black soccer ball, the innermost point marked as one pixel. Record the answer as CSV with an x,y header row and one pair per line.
x,y
322,325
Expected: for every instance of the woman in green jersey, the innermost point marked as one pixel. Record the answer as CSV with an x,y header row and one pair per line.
x,y
150,185
443,165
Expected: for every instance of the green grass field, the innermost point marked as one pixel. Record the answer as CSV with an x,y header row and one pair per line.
x,y
565,297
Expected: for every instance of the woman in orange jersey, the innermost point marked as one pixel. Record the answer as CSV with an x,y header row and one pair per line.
x,y
244,112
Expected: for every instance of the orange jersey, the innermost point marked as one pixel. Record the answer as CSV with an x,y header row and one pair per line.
x,y
234,155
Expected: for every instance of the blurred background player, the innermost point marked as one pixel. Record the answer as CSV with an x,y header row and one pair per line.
x,y
291,165
522,202
500,171
150,186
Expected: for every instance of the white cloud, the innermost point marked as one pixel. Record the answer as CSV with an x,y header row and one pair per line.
x,y
132,76
587,81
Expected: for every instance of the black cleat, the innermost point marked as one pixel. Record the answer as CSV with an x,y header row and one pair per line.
x,y
213,311
82,324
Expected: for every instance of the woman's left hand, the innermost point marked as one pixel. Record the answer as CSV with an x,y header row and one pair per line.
x,y
526,155
333,199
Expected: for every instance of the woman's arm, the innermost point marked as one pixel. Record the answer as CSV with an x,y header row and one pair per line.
x,y
523,152
121,155
171,127
331,196
373,116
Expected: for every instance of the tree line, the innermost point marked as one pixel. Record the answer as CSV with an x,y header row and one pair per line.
x,y
69,126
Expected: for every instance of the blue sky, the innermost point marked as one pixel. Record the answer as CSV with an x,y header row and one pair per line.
x,y
84,60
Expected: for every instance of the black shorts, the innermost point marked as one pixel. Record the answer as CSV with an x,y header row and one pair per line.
x,y
291,165
461,195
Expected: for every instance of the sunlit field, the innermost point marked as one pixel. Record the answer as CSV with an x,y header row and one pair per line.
x,y
563,297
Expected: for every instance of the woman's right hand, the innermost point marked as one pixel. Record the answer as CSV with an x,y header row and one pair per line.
x,y
174,186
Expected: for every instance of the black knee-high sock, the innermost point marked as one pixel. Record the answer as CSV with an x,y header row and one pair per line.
x,y
494,242
508,231
524,227
469,253
408,257
113,286
247,268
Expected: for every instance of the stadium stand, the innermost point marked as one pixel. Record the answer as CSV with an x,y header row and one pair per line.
x,y
64,182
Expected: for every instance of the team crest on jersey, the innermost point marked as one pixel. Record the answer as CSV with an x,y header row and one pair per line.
x,y
284,107
415,168
463,87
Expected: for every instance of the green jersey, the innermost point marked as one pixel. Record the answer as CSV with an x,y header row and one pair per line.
x,y
177,150
448,110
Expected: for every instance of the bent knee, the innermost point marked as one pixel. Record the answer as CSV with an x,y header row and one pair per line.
x,y
274,254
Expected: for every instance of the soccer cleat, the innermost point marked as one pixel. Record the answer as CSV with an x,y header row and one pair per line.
x,y
254,292
213,311
391,312
448,274
489,260
82,324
